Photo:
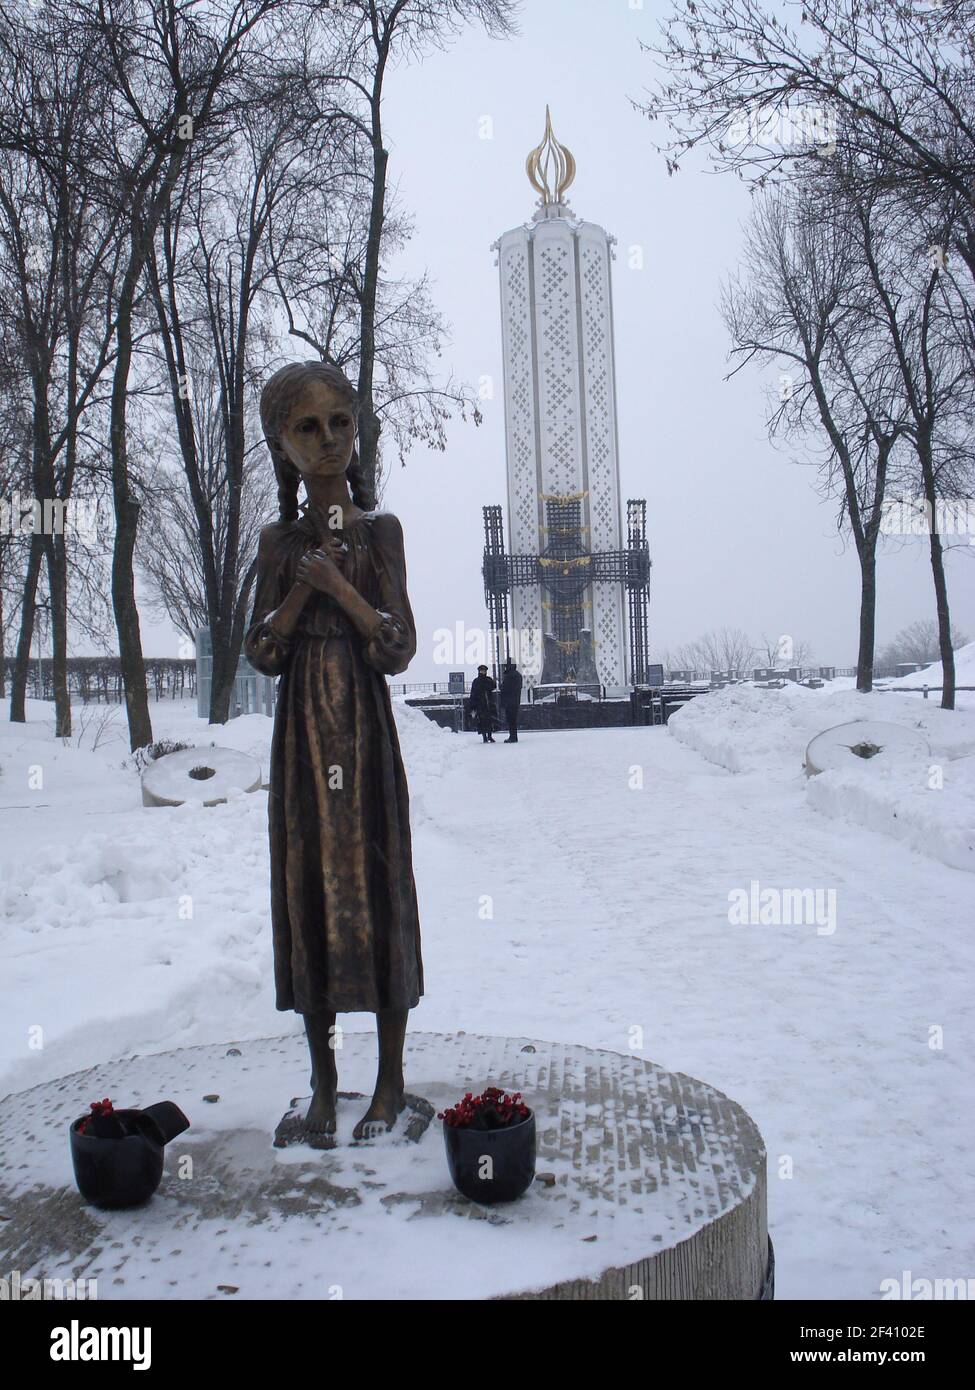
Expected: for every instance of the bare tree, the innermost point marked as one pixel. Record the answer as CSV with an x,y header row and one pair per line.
x,y
784,650
886,93
212,280
185,574
722,649
769,90
379,33
918,306
177,75
410,403
15,453
58,251
919,644
800,301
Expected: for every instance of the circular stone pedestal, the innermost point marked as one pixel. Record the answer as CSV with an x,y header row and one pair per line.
x,y
871,743
651,1184
203,776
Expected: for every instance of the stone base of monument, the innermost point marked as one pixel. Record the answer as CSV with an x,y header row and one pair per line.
x,y
650,1184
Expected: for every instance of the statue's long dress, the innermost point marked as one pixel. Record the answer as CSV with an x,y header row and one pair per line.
x,y
343,902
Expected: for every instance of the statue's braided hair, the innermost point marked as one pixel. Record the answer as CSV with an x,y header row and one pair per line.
x,y
277,401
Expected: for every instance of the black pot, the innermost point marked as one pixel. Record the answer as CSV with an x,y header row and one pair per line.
x,y
125,1171
511,1168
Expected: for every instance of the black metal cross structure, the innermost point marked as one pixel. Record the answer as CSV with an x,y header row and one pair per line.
x,y
565,570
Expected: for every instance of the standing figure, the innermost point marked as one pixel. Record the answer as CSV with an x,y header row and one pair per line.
x,y
511,698
480,702
332,618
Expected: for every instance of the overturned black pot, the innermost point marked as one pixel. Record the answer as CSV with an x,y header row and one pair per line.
x,y
492,1165
125,1171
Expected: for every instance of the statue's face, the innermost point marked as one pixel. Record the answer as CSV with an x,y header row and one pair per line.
x,y
319,435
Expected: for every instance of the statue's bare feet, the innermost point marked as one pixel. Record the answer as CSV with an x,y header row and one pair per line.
x,y
319,1120
381,1115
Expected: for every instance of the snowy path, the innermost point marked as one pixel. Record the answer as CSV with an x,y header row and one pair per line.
x,y
823,1038
557,902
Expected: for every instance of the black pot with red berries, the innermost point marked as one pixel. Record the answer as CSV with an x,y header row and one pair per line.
x,y
118,1154
490,1143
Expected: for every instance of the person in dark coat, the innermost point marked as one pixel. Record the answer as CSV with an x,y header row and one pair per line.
x,y
511,698
480,702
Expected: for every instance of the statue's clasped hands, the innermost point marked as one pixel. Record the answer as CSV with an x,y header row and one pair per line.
x,y
318,569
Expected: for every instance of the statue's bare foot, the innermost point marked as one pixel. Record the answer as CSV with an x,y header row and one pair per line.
x,y
320,1117
381,1115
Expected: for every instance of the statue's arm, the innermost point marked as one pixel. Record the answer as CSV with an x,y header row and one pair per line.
x,y
269,638
392,644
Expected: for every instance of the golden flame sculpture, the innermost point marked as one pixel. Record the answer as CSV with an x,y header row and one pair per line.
x,y
550,166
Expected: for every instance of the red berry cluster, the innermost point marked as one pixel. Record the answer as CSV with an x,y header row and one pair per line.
x,y
493,1109
101,1108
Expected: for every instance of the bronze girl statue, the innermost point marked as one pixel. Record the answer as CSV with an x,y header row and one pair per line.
x,y
332,618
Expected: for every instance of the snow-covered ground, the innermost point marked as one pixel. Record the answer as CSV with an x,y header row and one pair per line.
x,y
929,804
934,675
575,887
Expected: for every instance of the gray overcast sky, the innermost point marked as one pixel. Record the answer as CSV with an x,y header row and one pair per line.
x,y
738,534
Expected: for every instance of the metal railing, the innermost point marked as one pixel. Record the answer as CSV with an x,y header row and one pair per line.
x,y
916,689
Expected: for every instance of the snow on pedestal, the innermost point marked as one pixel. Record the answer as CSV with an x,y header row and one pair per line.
x,y
659,1183
874,742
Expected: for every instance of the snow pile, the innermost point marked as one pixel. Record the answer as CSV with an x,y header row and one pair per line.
x,y
429,752
934,674
745,728
930,805
931,808
174,899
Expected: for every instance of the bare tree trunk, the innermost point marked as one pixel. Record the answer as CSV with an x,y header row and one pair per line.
x,y
232,649
131,660
929,482
28,609
223,672
368,446
944,623
868,616
3,652
57,578
940,587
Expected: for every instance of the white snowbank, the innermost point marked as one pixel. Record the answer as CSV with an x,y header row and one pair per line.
x,y
748,729
97,890
934,674
930,806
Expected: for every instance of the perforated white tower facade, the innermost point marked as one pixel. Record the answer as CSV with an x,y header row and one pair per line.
x,y
560,406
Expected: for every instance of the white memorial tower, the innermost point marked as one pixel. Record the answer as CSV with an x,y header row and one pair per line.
x,y
569,603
